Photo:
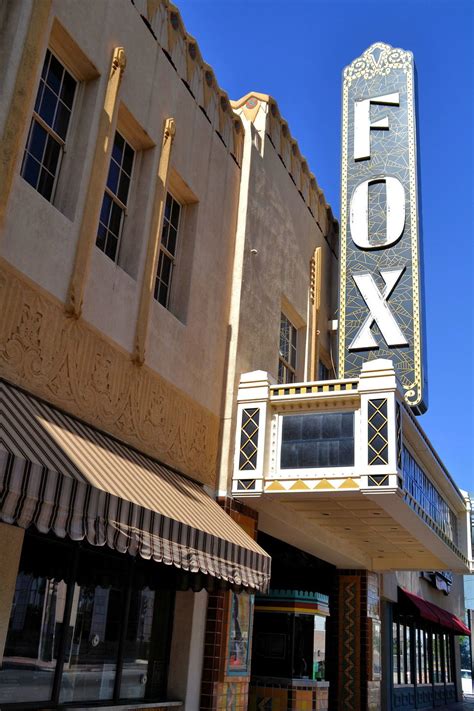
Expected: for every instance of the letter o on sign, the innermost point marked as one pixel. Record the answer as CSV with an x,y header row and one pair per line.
x,y
359,213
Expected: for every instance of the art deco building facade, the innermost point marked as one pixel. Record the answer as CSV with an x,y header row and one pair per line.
x,y
168,289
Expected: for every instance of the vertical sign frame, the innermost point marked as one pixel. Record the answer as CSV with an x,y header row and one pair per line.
x,y
380,310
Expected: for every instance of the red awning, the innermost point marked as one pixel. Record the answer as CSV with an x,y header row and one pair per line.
x,y
433,613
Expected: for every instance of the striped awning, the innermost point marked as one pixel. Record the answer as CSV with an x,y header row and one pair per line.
x,y
64,476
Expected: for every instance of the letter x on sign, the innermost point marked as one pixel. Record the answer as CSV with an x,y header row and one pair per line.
x,y
379,311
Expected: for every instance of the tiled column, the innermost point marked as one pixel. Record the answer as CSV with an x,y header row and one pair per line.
x,y
354,644
219,692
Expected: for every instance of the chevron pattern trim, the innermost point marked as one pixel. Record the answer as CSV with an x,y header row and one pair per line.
x,y
349,641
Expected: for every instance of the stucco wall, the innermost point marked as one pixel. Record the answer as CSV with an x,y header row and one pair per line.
x,y
40,238
411,581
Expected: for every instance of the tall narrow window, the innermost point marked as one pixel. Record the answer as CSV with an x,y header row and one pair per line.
x,y
49,127
168,249
287,359
114,204
324,373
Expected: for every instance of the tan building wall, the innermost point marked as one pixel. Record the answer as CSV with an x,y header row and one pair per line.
x,y
186,343
283,219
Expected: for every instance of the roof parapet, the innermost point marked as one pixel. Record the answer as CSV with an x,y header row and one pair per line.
x,y
164,21
289,151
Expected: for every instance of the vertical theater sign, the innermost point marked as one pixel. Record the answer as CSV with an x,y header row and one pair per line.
x,y
380,272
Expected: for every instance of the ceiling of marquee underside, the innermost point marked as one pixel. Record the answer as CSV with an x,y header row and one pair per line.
x,y
358,524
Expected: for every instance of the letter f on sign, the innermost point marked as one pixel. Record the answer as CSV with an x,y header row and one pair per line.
x,y
362,123
379,311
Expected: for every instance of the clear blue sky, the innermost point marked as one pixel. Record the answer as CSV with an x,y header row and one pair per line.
x,y
296,51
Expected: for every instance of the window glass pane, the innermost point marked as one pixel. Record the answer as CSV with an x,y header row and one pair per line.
x,y
171,244
146,645
317,440
51,155
128,159
101,236
61,120
163,294
117,149
319,653
48,106
45,184
47,58
97,612
55,74
436,657
111,246
395,653
401,657
175,214
113,177
123,187
30,170
34,631
68,89
105,210
37,140
115,219
409,668
169,201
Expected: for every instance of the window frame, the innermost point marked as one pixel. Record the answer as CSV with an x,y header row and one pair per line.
x,y
430,667
37,118
309,472
165,252
124,208
286,366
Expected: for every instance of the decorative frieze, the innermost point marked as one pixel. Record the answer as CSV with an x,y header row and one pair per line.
x,y
72,366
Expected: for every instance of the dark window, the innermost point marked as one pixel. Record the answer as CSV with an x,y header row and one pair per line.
x,y
324,373
86,625
421,652
317,440
168,249
114,203
288,351
48,130
420,490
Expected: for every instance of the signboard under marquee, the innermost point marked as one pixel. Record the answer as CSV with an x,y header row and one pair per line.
x,y
380,262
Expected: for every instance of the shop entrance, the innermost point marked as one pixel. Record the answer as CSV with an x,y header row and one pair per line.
x,y
289,634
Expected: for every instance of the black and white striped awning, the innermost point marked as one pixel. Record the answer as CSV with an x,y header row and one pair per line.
x,y
61,475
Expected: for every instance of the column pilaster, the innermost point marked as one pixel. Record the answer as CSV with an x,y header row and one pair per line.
x,y
95,190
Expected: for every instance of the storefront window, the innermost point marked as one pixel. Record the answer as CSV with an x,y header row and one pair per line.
x,y
91,660
319,654
436,659
409,663
401,658
145,651
449,668
420,656
29,661
421,652
85,625
395,653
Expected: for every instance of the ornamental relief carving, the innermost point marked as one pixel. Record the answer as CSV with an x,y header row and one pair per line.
x,y
73,367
